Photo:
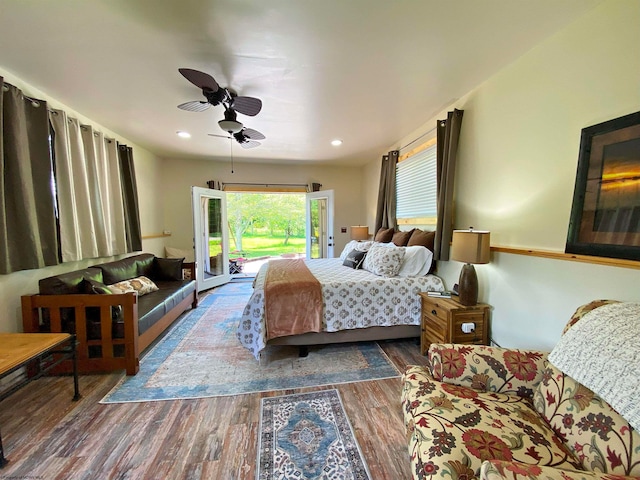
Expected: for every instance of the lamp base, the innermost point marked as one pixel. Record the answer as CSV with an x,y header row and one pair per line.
x,y
468,285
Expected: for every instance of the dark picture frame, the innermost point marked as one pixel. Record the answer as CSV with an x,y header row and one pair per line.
x,y
605,214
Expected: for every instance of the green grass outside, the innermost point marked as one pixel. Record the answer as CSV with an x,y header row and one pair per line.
x,y
254,246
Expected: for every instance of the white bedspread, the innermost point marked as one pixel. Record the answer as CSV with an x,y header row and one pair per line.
x,y
351,299
602,352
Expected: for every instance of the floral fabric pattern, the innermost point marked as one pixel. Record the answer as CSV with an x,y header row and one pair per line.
x,y
490,369
454,428
384,260
501,470
602,440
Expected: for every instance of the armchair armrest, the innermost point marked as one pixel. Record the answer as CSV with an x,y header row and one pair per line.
x,y
489,369
505,470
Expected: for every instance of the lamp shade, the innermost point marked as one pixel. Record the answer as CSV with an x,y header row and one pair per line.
x,y
359,233
231,126
470,246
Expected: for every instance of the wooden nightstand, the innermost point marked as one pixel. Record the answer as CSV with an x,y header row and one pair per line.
x,y
442,320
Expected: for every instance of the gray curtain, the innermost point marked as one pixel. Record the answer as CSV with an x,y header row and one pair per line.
x,y
28,227
448,132
130,199
386,211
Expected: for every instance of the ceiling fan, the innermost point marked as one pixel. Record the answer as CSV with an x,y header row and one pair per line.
x,y
232,103
246,137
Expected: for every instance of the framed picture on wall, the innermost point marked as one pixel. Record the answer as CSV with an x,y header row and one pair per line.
x,y
605,214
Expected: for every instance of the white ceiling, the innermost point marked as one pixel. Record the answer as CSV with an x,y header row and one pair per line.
x,y
366,71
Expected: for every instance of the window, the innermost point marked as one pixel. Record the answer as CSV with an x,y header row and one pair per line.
x,y
416,189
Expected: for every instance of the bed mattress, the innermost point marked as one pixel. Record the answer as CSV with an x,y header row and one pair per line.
x,y
352,299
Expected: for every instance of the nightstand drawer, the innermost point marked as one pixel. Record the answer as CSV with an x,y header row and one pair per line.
x,y
442,320
477,336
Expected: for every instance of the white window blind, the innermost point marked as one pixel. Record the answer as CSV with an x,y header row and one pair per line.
x,y
416,185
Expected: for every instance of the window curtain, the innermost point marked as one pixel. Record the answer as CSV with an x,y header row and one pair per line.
x,y
28,228
130,199
386,211
448,134
89,191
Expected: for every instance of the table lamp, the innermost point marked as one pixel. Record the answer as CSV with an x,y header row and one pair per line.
x,y
471,247
359,233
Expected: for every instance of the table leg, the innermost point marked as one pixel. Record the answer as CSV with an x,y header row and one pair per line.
x,y
76,387
3,461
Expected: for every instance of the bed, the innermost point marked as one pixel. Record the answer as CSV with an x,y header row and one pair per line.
x,y
357,305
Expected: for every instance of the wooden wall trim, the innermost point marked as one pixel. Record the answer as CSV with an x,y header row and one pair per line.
x,y
158,235
612,262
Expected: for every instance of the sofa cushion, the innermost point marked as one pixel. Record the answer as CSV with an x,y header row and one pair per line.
x,y
491,369
155,305
68,283
167,268
501,470
455,428
597,434
130,267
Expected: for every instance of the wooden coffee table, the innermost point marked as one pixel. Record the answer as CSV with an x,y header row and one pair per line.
x,y
19,350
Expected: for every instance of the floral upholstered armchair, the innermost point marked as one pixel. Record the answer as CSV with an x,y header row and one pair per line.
x,y
495,413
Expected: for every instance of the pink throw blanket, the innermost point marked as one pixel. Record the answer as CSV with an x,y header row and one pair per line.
x,y
293,299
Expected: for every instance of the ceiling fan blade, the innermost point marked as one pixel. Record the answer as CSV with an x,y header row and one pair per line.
x,y
199,79
195,106
252,134
249,144
220,136
250,106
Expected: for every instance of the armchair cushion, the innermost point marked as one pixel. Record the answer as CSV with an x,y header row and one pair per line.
x,y
455,428
501,470
601,439
490,369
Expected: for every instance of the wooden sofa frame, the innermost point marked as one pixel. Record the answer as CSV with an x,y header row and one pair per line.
x,y
133,344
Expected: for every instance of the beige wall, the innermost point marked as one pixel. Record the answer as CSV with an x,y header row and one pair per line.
x,y
147,166
178,176
517,165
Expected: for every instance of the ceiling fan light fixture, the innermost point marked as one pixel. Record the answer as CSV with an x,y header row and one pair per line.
x,y
231,126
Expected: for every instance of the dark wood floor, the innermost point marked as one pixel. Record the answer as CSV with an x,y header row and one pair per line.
x,y
47,436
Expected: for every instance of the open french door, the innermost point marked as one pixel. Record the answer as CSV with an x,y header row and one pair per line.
x,y
320,224
211,237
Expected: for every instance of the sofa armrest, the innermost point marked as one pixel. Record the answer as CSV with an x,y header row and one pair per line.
x,y
490,369
34,307
504,470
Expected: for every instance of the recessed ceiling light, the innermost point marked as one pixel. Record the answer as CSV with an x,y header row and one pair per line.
x,y
182,134
336,142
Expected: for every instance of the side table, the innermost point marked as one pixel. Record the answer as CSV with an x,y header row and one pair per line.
x,y
445,320
18,350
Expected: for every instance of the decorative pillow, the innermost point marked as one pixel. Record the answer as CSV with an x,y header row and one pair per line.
x,y
601,439
355,259
384,261
93,286
384,235
417,261
422,237
348,248
142,285
400,239
167,268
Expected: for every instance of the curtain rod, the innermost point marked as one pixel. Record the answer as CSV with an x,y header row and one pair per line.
x,y
414,141
269,184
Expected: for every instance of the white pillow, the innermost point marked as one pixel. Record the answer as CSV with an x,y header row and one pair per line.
x,y
354,245
187,254
140,285
417,261
383,260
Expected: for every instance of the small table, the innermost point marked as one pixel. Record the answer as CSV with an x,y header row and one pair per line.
x,y
444,321
18,350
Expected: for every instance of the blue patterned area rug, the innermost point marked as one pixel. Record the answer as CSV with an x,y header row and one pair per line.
x,y
308,436
201,357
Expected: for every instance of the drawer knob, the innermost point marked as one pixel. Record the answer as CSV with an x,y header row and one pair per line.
x,y
433,312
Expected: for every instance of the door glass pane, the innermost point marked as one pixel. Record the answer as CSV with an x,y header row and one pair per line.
x,y
318,212
212,212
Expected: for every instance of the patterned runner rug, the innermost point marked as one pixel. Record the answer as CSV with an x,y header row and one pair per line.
x,y
201,357
307,436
